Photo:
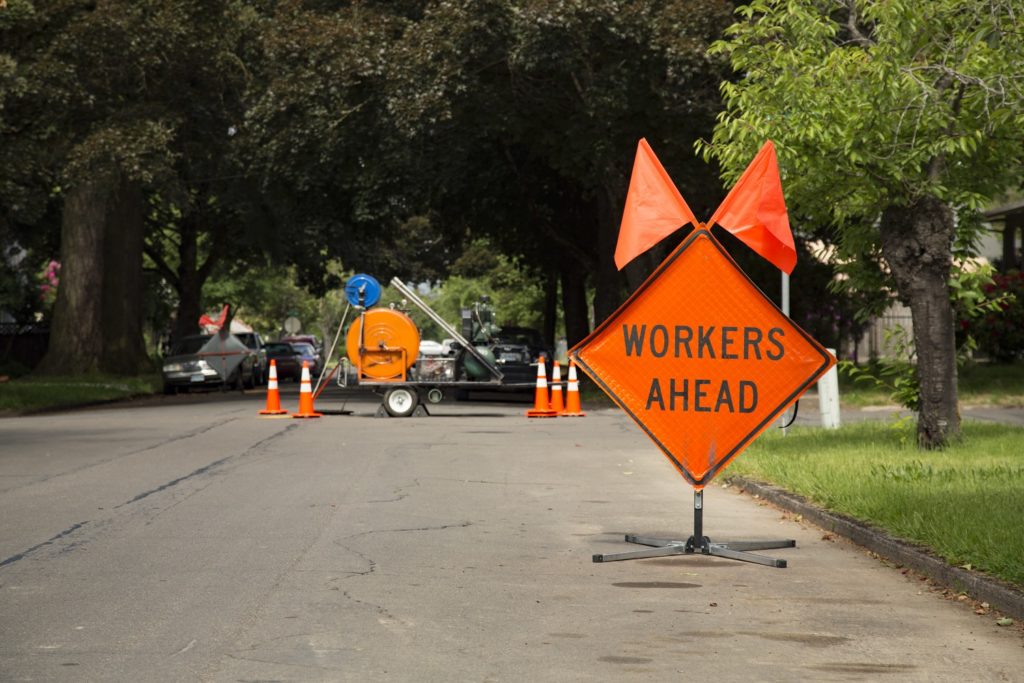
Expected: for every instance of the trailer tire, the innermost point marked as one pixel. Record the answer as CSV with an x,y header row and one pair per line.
x,y
401,401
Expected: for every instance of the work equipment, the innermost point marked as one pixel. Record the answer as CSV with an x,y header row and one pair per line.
x,y
382,351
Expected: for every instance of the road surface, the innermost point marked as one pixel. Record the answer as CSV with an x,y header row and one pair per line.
x,y
190,539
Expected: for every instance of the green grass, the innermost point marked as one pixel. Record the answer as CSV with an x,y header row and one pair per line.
x,y
29,393
978,384
966,503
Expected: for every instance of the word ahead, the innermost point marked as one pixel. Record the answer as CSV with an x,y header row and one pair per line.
x,y
701,358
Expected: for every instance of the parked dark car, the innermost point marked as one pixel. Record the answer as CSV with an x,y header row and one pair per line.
x,y
187,367
305,339
254,343
527,337
516,351
310,355
286,358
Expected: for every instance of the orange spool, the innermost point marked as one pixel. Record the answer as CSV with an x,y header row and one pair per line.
x,y
390,343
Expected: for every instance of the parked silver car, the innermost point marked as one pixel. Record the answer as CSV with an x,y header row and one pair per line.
x,y
194,362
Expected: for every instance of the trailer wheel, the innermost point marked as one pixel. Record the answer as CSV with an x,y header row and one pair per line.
x,y
400,401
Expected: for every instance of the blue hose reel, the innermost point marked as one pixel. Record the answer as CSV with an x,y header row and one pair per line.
x,y
362,290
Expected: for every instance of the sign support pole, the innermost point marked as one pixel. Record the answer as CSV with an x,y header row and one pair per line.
x,y
785,309
699,544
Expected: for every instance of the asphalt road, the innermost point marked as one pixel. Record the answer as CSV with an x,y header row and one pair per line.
x,y
189,539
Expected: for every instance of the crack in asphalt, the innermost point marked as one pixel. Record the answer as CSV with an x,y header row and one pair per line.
x,y
70,530
256,447
175,482
385,616
97,463
259,445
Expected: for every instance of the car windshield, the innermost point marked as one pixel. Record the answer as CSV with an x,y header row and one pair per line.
x,y
249,339
303,348
189,345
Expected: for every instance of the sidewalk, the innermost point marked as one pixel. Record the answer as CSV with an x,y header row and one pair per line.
x,y
810,415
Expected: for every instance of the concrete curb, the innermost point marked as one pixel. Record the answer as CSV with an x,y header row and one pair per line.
x,y
999,595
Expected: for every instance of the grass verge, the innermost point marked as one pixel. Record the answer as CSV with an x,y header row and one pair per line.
x,y
28,394
965,503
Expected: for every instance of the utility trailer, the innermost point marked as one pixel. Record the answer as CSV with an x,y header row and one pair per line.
x,y
382,353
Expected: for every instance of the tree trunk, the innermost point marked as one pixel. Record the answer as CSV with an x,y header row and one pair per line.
x,y
76,339
607,281
917,244
124,349
574,301
550,321
190,286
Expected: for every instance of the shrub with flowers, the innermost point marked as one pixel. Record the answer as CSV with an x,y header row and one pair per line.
x,y
1000,333
48,286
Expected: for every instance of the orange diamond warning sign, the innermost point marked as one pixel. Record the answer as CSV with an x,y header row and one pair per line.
x,y
701,358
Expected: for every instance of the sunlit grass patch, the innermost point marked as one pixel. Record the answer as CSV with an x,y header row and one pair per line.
x,y
977,383
31,393
966,502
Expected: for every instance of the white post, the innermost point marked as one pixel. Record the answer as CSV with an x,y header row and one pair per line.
x,y
828,397
785,293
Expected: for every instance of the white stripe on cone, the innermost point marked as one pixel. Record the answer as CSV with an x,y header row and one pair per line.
x,y
272,379
542,376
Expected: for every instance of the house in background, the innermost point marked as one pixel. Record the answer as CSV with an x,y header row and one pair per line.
x,y
1007,234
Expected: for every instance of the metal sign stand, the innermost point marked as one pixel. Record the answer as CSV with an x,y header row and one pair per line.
x,y
699,544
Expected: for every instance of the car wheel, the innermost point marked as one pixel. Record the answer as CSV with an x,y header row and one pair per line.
x,y
400,401
234,382
170,389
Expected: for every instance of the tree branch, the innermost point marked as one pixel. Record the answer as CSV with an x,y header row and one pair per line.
x,y
161,266
587,260
851,25
217,249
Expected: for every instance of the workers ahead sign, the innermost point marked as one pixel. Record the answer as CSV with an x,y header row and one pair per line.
x,y
701,358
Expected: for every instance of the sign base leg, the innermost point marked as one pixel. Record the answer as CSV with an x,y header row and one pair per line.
x,y
698,544
733,550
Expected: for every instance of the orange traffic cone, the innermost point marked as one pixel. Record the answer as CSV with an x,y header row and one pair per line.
x,y
273,395
541,402
306,395
572,396
557,402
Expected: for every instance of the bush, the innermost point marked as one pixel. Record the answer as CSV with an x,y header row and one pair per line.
x,y
1000,334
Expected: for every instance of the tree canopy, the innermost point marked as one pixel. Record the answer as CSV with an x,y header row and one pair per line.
x,y
390,137
893,121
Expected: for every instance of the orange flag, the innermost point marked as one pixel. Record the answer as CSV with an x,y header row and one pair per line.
x,y
654,208
755,211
